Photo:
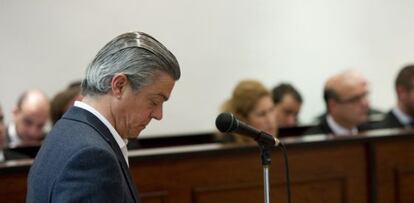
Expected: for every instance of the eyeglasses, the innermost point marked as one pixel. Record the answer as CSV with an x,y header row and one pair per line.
x,y
353,99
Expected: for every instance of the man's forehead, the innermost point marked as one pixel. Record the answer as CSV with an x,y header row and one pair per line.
x,y
352,88
162,86
37,114
290,98
34,110
35,119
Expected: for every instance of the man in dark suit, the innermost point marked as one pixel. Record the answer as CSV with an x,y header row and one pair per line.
x,y
2,129
85,158
288,102
347,104
6,154
2,136
401,116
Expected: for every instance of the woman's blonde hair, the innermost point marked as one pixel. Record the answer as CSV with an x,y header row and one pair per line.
x,y
244,99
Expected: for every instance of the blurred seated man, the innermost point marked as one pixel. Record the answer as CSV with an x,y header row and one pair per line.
x,y
347,104
2,135
252,103
29,118
401,116
6,154
287,105
64,100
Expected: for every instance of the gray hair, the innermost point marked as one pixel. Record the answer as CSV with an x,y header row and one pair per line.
x,y
135,54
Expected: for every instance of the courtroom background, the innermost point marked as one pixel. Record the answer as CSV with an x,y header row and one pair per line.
x,y
48,44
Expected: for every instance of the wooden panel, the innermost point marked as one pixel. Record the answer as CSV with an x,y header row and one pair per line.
x,y
323,169
154,197
229,193
395,171
333,191
405,185
314,170
328,174
13,187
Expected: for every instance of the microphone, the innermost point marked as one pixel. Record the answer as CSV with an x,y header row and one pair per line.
x,y
227,122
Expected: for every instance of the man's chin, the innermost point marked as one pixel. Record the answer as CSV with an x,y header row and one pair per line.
x,y
134,135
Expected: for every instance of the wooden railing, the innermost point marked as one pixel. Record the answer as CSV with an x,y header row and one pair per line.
x,y
377,166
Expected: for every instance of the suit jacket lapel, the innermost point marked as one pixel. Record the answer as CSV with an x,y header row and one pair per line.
x,y
393,120
325,126
82,115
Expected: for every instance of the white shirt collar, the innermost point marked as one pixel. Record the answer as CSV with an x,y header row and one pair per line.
x,y
338,129
122,143
402,117
2,158
14,138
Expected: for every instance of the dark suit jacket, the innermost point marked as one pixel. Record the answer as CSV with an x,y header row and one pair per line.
x,y
11,155
389,121
321,128
80,161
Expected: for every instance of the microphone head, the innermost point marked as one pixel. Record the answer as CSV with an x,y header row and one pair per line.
x,y
226,122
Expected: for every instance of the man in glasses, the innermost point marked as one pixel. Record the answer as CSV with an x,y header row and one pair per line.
x,y
84,158
347,104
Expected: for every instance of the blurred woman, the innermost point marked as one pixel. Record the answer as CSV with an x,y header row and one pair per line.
x,y
252,103
64,100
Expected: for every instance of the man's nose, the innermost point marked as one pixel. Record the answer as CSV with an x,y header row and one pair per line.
x,y
157,113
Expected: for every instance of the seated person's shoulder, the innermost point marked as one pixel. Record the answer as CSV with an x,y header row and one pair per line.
x,y
12,155
388,121
319,128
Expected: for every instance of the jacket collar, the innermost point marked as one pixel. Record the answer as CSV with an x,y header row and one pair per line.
x,y
84,116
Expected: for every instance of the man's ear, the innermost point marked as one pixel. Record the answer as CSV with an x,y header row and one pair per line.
x,y
331,105
15,111
119,84
401,92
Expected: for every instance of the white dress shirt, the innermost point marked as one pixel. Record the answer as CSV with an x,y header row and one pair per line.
x,y
402,117
338,129
14,138
2,158
122,143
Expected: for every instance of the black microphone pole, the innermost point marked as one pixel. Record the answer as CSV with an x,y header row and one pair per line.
x,y
265,155
227,123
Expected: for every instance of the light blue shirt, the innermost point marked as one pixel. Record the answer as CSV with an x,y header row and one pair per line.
x,y
2,158
402,117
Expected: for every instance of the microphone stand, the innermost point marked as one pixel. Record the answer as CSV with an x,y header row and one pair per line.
x,y
266,160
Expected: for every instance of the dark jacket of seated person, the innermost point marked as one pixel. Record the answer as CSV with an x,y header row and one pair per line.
x,y
7,155
402,115
394,119
331,127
